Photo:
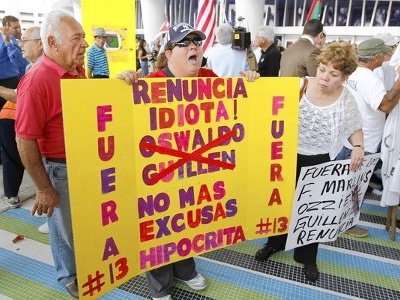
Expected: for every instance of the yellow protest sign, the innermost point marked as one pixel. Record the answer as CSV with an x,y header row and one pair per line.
x,y
172,168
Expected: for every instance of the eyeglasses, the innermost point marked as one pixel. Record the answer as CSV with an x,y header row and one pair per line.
x,y
27,40
186,42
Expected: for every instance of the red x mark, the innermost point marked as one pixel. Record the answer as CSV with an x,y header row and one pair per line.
x,y
186,157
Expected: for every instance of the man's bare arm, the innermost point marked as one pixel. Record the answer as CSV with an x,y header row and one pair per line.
x,y
392,97
390,100
46,195
89,72
8,94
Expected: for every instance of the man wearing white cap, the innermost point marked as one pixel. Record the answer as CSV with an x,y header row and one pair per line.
x,y
387,73
373,101
97,57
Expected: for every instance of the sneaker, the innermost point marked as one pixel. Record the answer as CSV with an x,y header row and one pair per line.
x,y
44,228
43,215
377,192
12,202
198,283
168,297
357,232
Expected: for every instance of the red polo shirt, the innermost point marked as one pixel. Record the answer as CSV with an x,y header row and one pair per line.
x,y
203,72
39,110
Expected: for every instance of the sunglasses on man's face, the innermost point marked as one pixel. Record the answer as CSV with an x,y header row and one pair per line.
x,y
186,42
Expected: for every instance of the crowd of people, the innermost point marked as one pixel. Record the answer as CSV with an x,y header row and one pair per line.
x,y
342,112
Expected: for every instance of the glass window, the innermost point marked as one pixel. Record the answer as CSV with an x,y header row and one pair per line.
x,y
280,13
395,14
343,10
328,12
270,15
381,13
299,14
369,9
356,13
289,10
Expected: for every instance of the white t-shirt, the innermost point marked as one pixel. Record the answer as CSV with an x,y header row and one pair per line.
x,y
387,74
324,129
225,61
368,90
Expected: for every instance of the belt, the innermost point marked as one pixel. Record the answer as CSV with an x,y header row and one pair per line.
x,y
56,160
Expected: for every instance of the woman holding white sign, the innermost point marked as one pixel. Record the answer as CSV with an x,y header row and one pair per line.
x,y
328,116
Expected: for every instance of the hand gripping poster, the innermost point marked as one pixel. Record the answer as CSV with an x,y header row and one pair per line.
x,y
171,168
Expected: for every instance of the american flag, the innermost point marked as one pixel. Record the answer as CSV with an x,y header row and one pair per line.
x,y
206,21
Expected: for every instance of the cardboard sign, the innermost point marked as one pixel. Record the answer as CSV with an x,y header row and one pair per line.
x,y
328,201
172,168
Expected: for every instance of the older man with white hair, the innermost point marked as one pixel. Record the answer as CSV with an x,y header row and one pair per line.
x,y
270,59
373,101
40,134
222,58
13,169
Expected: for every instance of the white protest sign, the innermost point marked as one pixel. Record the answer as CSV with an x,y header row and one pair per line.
x,y
327,201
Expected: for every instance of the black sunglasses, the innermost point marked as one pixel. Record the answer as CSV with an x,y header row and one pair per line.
x,y
186,42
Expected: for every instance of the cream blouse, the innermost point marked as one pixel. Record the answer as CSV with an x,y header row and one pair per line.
x,y
324,129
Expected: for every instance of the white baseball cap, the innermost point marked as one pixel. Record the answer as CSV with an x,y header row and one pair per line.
x,y
387,38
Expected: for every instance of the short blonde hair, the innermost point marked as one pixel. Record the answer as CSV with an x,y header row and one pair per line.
x,y
341,55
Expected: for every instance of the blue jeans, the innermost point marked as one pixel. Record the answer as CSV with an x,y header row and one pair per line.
x,y
345,153
60,225
144,65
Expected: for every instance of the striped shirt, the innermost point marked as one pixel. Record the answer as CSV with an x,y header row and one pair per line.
x,y
97,61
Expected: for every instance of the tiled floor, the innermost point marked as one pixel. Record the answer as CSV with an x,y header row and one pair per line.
x,y
350,268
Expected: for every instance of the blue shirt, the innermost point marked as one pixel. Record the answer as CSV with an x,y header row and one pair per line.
x,y
97,61
11,54
8,63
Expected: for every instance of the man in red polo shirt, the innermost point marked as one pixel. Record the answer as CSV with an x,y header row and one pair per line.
x,y
40,134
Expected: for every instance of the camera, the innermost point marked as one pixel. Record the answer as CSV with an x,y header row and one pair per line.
x,y
241,38
153,56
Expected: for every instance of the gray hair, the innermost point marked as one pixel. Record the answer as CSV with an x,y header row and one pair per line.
x,y
34,32
366,58
51,26
224,34
267,33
